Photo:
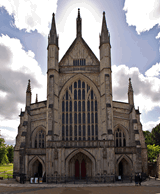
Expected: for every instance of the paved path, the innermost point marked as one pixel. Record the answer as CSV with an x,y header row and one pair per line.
x,y
12,187
14,183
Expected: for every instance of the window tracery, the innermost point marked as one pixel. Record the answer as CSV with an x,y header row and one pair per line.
x,y
79,113
39,141
120,139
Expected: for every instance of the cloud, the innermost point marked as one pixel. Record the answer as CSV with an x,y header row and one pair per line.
x,y
150,125
154,70
142,14
8,135
31,14
17,66
146,88
158,36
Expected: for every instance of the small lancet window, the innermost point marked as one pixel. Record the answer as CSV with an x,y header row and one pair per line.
x,y
79,106
83,106
83,85
70,106
79,83
75,94
66,105
79,94
67,95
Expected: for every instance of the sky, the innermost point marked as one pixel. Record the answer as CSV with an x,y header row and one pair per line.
x,y
134,27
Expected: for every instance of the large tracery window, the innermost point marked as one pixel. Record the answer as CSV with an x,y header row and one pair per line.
x,y
120,140
79,113
39,141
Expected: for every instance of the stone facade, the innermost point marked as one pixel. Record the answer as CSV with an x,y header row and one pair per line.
x,y
79,130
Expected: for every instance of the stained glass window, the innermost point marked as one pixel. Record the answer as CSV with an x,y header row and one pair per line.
x,y
83,106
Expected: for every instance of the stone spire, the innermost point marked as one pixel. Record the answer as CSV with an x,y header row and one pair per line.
x,y
53,38
79,28
130,89
29,87
104,37
130,93
28,94
36,98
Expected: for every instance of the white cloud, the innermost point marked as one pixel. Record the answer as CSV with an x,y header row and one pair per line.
x,y
8,135
144,14
158,36
18,66
146,88
150,125
31,14
154,70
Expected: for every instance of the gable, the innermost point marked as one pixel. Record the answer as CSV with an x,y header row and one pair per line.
x,y
79,54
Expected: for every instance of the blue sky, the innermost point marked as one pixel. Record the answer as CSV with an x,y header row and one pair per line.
x,y
134,27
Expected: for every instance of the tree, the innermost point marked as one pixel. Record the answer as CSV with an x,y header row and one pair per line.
x,y
3,152
148,138
10,151
155,134
153,152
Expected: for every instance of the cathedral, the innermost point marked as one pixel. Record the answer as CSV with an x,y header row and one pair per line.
x,y
79,130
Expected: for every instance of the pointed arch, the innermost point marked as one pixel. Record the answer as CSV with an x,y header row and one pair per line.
x,y
127,164
120,126
127,158
78,107
34,132
124,130
85,152
32,161
75,78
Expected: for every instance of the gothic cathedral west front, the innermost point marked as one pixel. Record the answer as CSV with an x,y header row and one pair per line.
x,y
79,130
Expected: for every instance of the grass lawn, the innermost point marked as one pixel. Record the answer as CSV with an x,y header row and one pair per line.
x,y
6,169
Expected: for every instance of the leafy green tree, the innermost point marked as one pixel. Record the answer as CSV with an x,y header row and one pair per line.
x,y
148,137
3,152
155,134
10,151
153,151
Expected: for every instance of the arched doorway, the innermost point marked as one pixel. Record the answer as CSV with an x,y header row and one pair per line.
x,y
37,169
124,167
80,165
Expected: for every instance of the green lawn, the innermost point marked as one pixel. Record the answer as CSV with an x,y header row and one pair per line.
x,y
6,169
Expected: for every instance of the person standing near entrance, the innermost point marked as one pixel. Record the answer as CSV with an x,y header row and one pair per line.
x,y
136,179
140,178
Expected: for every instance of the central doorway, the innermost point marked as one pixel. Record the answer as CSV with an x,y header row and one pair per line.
x,y
80,169
80,166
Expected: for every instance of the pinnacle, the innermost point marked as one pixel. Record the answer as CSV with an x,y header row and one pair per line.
x,y
29,87
130,86
79,28
53,39
104,37
36,98
79,13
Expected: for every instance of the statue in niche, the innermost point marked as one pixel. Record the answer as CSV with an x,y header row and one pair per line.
x,y
55,153
104,151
